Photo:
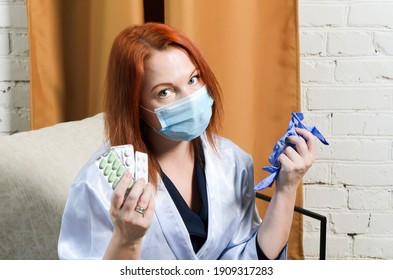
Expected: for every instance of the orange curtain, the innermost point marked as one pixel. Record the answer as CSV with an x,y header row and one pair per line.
x,y
69,47
252,46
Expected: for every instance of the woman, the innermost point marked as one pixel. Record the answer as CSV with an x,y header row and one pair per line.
x,y
199,203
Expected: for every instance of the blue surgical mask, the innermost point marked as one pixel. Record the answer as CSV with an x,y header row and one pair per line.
x,y
186,118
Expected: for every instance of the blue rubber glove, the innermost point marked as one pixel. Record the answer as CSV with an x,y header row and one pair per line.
x,y
281,145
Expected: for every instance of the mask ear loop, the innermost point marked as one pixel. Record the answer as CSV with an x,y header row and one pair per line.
x,y
150,118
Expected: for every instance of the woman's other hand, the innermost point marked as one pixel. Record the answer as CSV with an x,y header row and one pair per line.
x,y
131,216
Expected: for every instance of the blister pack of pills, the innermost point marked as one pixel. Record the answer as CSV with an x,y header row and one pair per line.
x,y
114,163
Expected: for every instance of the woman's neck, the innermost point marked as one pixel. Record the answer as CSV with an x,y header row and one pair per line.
x,y
177,161
170,152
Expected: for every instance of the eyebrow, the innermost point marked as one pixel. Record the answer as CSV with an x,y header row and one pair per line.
x,y
168,84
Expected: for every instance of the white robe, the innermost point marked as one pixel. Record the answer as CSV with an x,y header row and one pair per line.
x,y
232,222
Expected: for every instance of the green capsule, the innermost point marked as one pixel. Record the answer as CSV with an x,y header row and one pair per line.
x,y
117,180
107,170
112,156
116,164
121,171
103,163
112,177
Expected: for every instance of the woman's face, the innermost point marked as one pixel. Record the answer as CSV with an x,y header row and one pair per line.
x,y
169,76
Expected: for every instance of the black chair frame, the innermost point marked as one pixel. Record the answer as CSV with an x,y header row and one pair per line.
x,y
321,218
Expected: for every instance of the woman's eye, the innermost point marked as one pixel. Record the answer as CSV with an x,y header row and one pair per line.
x,y
194,80
165,93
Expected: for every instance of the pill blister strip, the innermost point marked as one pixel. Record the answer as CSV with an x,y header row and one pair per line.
x,y
114,163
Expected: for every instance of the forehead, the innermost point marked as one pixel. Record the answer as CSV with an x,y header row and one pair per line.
x,y
172,62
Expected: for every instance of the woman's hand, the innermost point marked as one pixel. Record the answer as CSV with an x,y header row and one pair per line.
x,y
274,231
295,163
131,216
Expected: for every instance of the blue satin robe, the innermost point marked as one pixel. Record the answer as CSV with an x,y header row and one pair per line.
x,y
233,218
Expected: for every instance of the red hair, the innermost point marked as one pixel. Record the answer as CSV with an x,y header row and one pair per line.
x,y
125,79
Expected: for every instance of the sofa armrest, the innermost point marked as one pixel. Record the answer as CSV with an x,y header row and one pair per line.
x,y
36,170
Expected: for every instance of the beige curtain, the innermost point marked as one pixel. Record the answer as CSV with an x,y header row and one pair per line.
x,y
252,46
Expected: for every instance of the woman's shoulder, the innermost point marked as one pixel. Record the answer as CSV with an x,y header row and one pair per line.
x,y
228,148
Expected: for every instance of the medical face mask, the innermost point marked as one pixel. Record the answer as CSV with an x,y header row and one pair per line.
x,y
186,118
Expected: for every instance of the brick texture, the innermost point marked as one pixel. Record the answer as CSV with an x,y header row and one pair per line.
x,y
14,68
347,92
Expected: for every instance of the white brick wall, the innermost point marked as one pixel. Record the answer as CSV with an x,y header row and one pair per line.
x,y
14,68
347,92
